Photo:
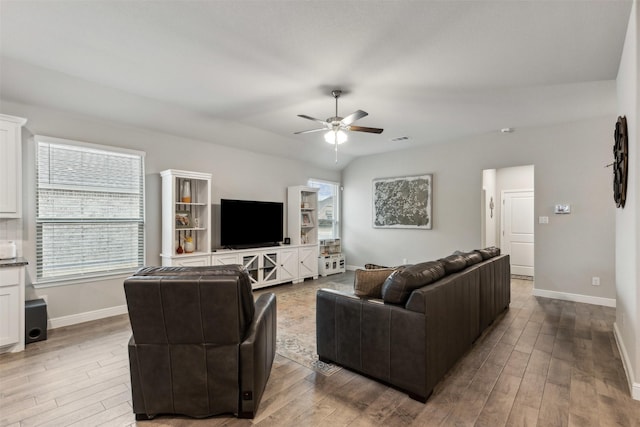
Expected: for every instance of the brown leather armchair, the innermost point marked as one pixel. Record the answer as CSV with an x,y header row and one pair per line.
x,y
200,344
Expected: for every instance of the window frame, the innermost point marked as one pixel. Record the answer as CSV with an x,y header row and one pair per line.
x,y
141,220
337,225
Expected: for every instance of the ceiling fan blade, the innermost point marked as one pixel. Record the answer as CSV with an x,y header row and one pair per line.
x,y
353,117
309,131
304,116
365,129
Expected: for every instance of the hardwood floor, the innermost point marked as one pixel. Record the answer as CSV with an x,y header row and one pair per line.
x,y
544,362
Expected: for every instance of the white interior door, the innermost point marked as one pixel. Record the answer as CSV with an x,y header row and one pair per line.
x,y
517,230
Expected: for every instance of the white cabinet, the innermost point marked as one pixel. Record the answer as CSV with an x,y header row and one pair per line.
x,y
11,309
11,166
186,218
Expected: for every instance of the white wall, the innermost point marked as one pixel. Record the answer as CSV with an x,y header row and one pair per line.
x,y
236,174
627,241
569,164
490,232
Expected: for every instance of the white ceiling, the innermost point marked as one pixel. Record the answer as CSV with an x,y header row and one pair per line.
x,y
239,72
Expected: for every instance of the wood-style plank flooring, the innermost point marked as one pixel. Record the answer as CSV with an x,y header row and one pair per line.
x,y
544,362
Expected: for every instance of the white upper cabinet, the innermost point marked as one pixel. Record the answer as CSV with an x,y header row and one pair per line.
x,y
11,166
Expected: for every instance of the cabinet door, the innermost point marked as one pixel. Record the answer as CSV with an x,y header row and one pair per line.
x,y
308,264
288,265
9,315
9,170
269,267
225,259
191,261
252,263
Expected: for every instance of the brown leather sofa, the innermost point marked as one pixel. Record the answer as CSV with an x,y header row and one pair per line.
x,y
427,318
200,344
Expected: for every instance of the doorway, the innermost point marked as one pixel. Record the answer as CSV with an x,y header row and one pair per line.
x,y
508,215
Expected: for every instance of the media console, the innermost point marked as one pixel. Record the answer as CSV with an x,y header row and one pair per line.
x,y
272,265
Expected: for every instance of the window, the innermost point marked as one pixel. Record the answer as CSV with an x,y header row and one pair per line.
x,y
89,210
328,208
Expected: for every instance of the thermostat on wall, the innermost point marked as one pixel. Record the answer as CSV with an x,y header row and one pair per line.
x,y
563,209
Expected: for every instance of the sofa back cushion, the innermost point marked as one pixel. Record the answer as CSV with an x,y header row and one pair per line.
x,y
453,263
399,285
489,252
470,258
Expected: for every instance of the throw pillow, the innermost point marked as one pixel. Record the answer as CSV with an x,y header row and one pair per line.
x,y
399,285
368,283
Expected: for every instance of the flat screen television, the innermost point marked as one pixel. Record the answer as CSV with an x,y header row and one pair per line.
x,y
249,223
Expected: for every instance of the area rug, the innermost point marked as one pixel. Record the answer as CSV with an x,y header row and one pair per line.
x,y
296,333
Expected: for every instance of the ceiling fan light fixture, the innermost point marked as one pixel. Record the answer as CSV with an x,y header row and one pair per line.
x,y
331,136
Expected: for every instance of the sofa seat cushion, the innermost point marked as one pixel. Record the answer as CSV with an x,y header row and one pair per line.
x,y
453,263
368,282
399,285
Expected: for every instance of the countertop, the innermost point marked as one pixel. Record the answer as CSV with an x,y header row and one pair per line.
x,y
13,262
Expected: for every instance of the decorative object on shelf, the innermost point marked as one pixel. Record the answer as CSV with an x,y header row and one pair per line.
x,y
307,221
189,247
183,219
620,162
403,202
337,127
186,191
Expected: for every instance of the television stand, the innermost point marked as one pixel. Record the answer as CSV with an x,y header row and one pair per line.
x,y
272,265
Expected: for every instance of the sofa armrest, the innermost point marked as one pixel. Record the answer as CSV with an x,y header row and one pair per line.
x,y
257,352
385,341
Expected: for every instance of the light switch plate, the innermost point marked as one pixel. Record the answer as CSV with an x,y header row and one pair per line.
x,y
543,220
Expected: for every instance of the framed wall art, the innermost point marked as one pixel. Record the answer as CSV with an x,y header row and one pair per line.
x,y
403,202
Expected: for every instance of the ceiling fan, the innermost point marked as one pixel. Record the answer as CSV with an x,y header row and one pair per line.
x,y
336,127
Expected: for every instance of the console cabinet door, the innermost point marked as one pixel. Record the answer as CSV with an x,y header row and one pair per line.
x,y
308,265
288,265
225,259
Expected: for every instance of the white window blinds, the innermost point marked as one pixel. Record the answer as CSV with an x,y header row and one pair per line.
x,y
89,210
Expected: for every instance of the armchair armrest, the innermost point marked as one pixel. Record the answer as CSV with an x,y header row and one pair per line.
x,y
257,352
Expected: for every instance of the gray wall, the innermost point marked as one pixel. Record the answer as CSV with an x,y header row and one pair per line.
x,y
569,164
627,242
236,174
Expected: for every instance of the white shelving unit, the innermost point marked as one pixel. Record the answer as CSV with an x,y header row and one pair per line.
x,y
302,220
186,215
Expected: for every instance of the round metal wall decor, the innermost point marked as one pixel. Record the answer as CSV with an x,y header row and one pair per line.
x,y
620,162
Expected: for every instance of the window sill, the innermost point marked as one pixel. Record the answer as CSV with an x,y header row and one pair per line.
x,y
81,280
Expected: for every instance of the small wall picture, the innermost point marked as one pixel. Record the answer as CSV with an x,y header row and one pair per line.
x,y
183,219
306,219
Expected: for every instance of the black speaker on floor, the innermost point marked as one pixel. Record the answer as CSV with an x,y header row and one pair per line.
x,y
35,321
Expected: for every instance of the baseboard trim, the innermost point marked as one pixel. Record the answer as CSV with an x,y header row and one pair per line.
x,y
353,267
74,319
634,387
565,296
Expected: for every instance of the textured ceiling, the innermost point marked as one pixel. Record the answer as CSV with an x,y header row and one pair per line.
x,y
238,72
